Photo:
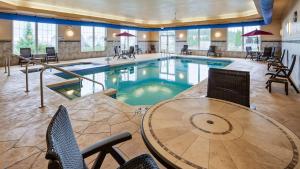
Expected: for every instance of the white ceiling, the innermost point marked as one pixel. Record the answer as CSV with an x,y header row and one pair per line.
x,y
147,11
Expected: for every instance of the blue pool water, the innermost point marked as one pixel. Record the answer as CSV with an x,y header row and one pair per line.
x,y
144,83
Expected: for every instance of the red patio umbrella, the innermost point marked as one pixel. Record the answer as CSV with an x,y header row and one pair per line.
x,y
257,33
125,34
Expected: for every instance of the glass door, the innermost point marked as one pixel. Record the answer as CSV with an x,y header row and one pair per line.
x,y
167,41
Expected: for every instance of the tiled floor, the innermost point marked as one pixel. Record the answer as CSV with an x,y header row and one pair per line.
x,y
23,124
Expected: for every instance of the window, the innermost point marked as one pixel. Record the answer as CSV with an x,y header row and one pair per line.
x,y
198,39
92,38
127,41
46,37
193,39
234,39
167,41
36,36
236,42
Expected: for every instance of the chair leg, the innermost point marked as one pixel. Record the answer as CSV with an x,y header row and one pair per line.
x,y
286,88
293,84
99,160
270,86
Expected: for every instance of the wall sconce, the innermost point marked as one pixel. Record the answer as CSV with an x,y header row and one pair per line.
x,y
218,34
69,32
288,28
114,35
144,36
280,32
181,35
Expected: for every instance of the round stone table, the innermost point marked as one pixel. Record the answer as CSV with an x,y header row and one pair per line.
x,y
210,133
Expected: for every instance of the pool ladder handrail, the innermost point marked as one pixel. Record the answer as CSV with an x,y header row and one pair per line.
x,y
45,66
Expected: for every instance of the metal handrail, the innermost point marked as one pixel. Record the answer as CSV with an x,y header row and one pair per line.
x,y
46,66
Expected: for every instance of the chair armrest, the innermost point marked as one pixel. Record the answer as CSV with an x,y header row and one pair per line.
x,y
105,144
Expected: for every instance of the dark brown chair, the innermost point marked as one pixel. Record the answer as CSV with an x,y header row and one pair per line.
x,y
249,52
138,49
51,55
212,51
276,62
229,85
282,75
185,50
25,53
63,151
131,52
267,54
152,49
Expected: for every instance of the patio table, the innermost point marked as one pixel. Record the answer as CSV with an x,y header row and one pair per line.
x,y
210,133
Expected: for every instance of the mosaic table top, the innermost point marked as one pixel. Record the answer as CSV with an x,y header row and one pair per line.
x,y
210,133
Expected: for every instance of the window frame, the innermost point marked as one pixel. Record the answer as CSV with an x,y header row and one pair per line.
x,y
36,37
198,39
243,38
94,39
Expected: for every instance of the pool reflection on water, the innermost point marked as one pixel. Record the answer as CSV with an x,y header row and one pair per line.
x,y
144,83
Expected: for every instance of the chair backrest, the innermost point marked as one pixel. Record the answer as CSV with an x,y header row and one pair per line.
x,y
268,52
230,85
212,48
62,149
25,52
292,66
282,55
131,50
152,47
185,47
50,51
248,49
116,49
273,51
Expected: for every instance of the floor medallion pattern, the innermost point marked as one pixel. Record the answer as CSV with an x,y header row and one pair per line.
x,y
208,133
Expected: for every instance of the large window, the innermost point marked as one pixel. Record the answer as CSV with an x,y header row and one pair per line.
x,y
92,38
234,39
199,39
127,41
236,42
167,41
36,36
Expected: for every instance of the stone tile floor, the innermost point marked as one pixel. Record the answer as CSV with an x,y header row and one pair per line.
x,y
23,124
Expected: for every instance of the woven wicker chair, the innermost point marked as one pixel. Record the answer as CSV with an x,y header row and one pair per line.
x,y
230,85
63,151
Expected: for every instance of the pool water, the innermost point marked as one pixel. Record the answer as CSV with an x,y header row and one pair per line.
x,y
144,83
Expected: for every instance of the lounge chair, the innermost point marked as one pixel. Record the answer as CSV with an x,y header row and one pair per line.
x,y
117,52
185,50
249,52
229,85
51,55
63,151
276,62
138,49
131,52
282,75
152,49
25,53
267,53
212,51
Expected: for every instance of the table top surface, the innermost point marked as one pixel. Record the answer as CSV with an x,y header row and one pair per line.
x,y
210,133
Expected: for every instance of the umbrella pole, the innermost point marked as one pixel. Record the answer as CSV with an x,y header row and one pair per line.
x,y
257,43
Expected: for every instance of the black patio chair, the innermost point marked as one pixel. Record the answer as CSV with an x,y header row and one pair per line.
x,y
282,75
249,52
229,85
25,53
51,55
276,62
117,52
185,50
267,53
212,51
152,49
63,151
138,49
131,52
